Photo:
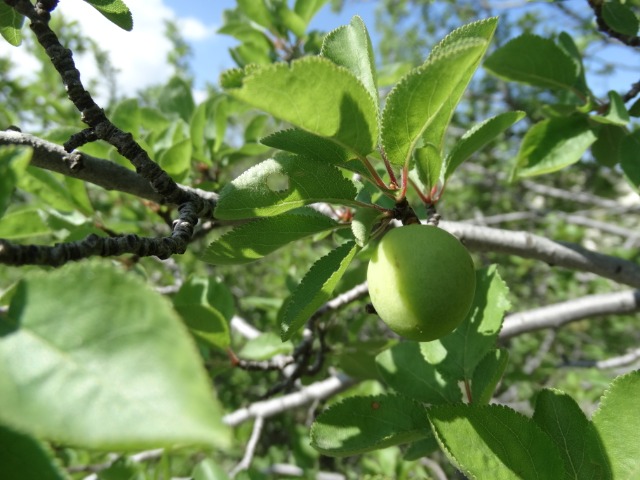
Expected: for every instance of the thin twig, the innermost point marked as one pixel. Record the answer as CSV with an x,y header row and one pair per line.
x,y
250,450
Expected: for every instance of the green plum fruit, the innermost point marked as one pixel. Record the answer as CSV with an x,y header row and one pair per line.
x,y
421,282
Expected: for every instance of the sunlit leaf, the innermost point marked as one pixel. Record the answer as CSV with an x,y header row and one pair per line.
x,y
114,10
11,24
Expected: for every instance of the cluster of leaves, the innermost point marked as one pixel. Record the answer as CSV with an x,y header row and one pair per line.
x,y
336,128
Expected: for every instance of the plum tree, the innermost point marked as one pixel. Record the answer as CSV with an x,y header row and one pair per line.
x,y
421,281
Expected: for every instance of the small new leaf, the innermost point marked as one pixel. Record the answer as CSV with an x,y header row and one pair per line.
x,y
280,184
315,288
114,10
361,424
252,241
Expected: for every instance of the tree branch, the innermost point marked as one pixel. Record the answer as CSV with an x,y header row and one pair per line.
x,y
559,314
555,254
267,408
103,173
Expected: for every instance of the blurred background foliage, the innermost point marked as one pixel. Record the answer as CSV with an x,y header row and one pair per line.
x,y
206,144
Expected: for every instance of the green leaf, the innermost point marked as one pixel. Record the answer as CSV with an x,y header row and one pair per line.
x,y
361,424
49,187
363,221
252,241
126,115
618,424
208,469
176,160
114,10
629,149
210,291
314,94
257,11
483,30
291,20
23,224
620,17
574,435
424,95
282,183
430,161
264,347
634,110
304,143
457,354
617,113
176,98
13,164
350,46
534,60
307,9
206,324
23,457
404,368
315,289
492,441
487,375
475,139
566,43
11,24
552,144
607,149
130,374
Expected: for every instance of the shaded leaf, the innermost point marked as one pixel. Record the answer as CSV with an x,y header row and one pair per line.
x,y
24,457
205,323
11,24
616,114
13,164
283,183
24,223
350,46
252,241
620,17
617,422
477,137
534,60
457,354
493,441
404,368
361,424
363,221
431,165
115,11
314,94
566,43
176,98
553,144
629,161
304,143
575,437
315,288
487,375
607,148
130,374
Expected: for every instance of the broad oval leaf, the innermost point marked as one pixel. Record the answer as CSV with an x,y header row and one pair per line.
x,y
304,143
112,368
417,100
11,24
457,354
252,241
552,144
492,441
314,94
620,18
280,184
618,423
350,46
404,368
315,288
534,60
24,457
114,10
477,137
361,424
574,435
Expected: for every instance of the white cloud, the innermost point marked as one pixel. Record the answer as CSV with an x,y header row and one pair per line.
x,y
140,56
194,30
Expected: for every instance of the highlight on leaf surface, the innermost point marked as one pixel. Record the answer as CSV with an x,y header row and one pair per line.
x,y
114,10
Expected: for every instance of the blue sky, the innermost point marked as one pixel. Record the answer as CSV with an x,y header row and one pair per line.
x,y
140,55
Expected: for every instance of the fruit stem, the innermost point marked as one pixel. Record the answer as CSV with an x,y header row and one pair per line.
x,y
405,213
467,389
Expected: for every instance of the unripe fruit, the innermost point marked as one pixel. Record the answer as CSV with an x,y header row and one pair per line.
x,y
421,282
